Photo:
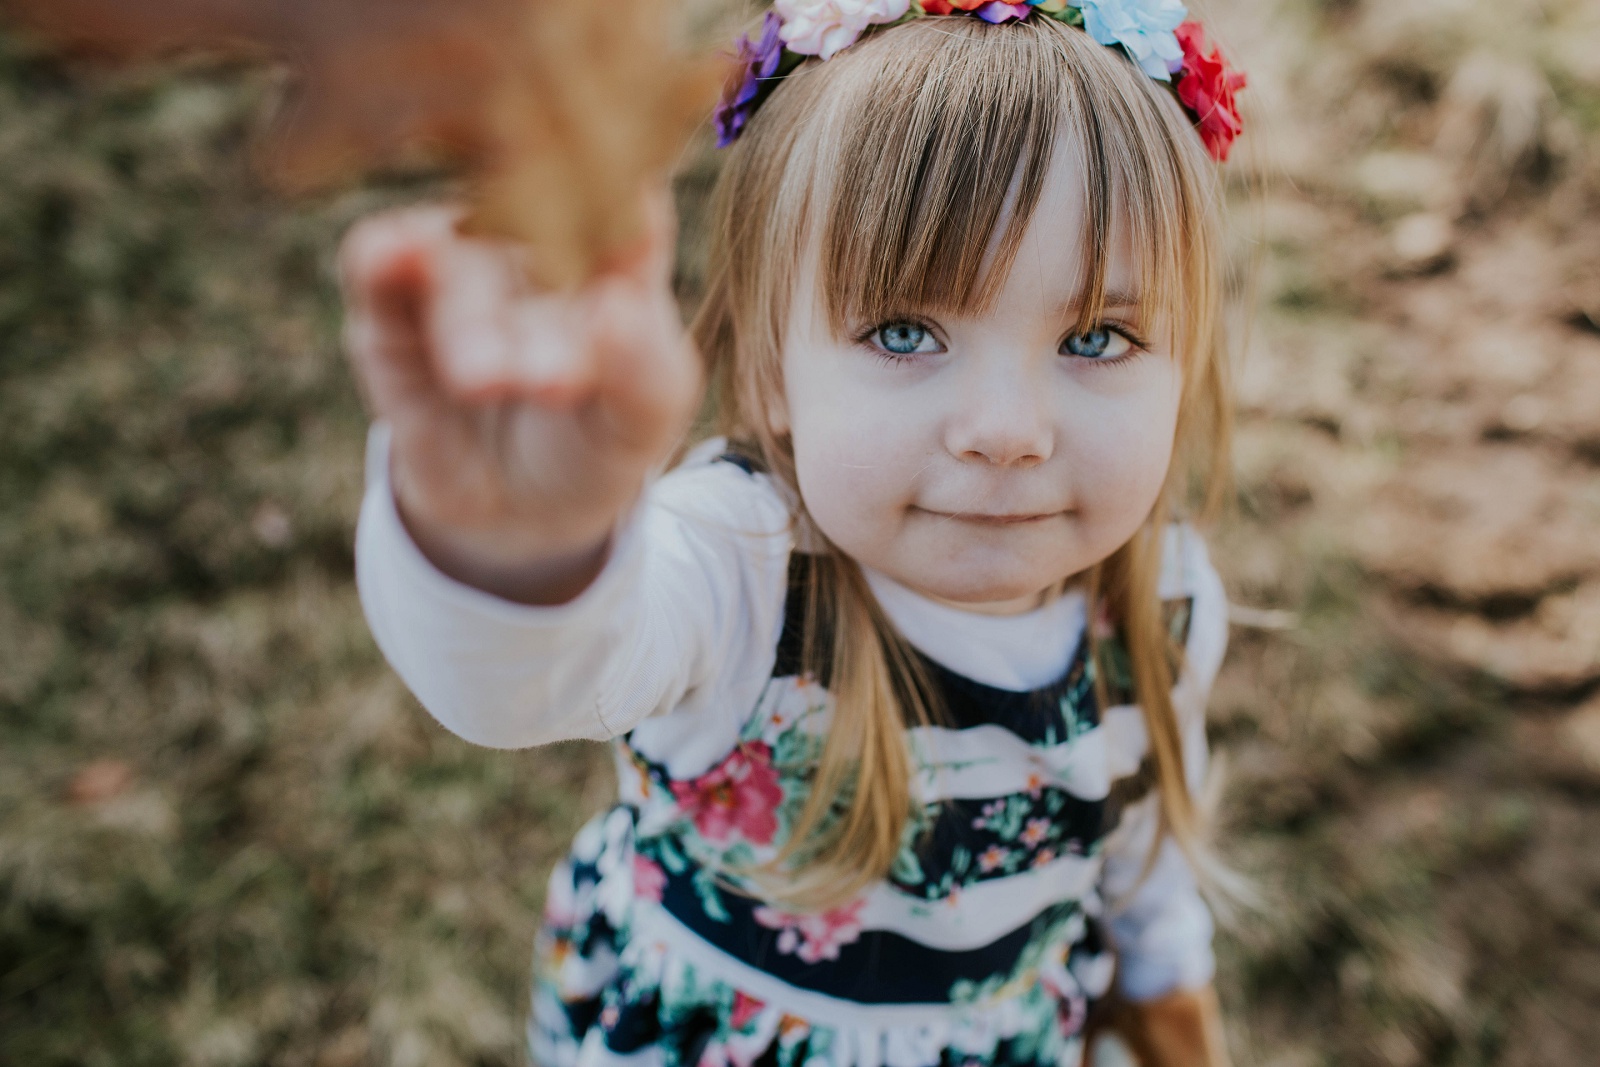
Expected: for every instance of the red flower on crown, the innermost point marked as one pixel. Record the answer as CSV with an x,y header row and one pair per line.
x,y
1206,86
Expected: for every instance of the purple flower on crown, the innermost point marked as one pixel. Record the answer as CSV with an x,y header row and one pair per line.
x,y
759,60
998,11
1143,27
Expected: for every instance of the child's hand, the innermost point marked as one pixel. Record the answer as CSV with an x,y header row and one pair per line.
x,y
524,423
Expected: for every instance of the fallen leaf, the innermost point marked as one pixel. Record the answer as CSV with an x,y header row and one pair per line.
x,y
100,781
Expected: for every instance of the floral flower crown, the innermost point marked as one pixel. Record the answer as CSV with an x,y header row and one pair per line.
x,y
1154,34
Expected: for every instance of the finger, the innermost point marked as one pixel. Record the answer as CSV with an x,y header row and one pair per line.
x,y
552,361
498,340
469,318
386,274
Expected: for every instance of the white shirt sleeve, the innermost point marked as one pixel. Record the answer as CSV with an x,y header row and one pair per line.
x,y
1158,922
689,600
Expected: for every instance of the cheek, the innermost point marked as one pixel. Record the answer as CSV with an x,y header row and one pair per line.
x,y
855,458
852,470
1122,450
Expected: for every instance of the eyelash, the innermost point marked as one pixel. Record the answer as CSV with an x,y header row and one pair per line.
x,y
865,339
1138,346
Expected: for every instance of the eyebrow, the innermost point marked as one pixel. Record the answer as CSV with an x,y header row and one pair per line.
x,y
1114,298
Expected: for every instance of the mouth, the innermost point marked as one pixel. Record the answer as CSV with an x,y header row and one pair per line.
x,y
980,518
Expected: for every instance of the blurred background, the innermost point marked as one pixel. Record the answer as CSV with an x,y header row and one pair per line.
x,y
229,837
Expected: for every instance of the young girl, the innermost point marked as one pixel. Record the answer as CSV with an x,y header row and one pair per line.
x,y
905,671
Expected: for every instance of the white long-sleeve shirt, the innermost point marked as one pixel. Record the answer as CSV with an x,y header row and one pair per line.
x,y
676,638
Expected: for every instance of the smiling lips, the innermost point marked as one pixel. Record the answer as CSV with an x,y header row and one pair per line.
x,y
981,519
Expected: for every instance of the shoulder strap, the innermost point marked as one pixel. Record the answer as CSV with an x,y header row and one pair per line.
x,y
744,456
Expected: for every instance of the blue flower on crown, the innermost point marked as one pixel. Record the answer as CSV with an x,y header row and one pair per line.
x,y
1143,27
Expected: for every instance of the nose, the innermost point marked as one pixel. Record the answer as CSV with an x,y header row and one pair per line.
x,y
1002,418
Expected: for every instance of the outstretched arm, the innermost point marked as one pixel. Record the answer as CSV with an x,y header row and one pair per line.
x,y
517,566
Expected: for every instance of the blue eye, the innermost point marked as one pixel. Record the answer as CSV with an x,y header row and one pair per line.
x,y
904,338
1099,343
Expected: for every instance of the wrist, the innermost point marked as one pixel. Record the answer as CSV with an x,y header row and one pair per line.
x,y
539,567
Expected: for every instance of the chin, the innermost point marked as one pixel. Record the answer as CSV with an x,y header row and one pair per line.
x,y
983,582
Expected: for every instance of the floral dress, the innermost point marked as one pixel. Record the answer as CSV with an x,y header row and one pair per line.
x,y
981,947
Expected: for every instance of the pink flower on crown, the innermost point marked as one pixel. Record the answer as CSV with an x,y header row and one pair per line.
x,y
814,937
823,27
739,795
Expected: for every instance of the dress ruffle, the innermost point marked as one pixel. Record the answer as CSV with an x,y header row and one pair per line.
x,y
619,981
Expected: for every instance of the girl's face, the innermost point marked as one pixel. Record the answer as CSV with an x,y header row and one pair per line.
x,y
981,460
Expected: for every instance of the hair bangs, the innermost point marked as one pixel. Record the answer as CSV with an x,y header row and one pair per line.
x,y
940,138
940,166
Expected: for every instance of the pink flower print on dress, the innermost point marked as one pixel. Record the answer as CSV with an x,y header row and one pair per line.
x,y
745,1010
1043,856
739,795
991,857
1035,832
745,1040
989,811
816,937
649,880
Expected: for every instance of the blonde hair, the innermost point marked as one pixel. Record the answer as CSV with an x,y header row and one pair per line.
x,y
907,169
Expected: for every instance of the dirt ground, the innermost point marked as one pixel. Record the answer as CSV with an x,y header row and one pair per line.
x,y
228,837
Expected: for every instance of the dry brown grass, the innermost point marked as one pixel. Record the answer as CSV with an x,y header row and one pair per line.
x,y
1418,486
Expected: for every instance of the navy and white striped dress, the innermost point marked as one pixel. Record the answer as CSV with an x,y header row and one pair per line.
x,y
992,936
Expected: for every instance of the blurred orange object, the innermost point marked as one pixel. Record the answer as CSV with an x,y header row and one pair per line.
x,y
559,114
1181,1029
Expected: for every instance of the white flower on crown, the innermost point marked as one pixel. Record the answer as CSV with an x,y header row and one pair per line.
x,y
823,27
